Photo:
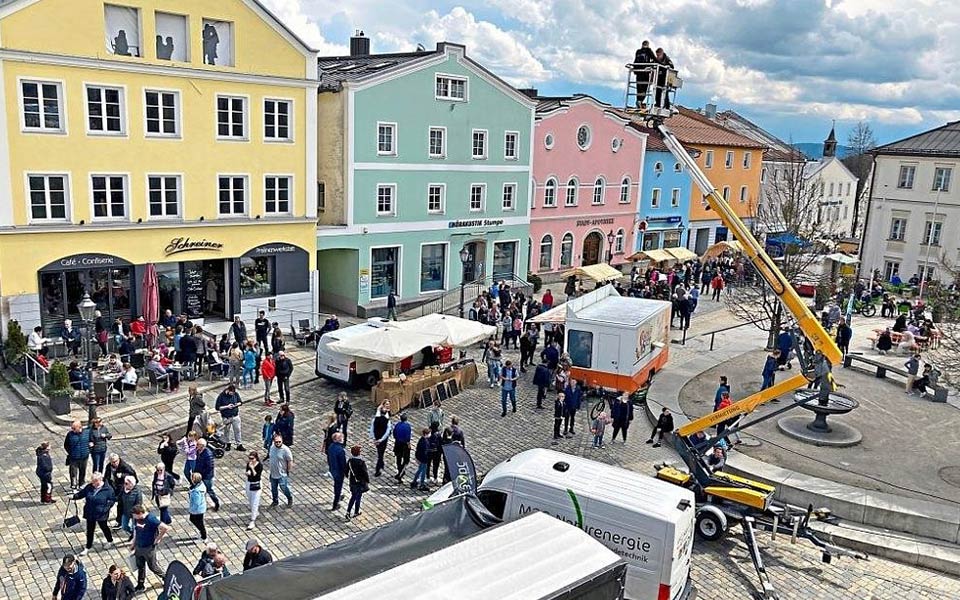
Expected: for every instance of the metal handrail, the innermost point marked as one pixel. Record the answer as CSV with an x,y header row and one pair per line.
x,y
472,291
35,372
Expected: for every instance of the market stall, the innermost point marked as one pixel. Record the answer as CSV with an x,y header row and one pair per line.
x,y
456,332
422,387
653,256
721,248
600,272
681,253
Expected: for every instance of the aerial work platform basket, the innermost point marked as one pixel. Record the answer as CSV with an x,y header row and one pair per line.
x,y
651,89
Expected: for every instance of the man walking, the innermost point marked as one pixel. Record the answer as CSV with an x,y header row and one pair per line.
x,y
77,446
281,463
770,370
380,429
844,335
423,462
148,531
239,331
508,387
97,499
722,388
571,404
542,378
205,466
402,433
71,581
621,411
284,370
392,306
261,327
337,461
228,403
558,411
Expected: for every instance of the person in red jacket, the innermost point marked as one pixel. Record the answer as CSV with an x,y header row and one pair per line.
x,y
138,328
268,371
717,286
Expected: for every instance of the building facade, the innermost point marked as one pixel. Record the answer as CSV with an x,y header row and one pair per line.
x,y
587,174
420,155
913,218
664,198
154,132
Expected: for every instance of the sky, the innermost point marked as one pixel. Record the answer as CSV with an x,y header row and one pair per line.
x,y
791,66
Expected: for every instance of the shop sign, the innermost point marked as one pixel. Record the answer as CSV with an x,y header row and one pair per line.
x,y
274,249
364,281
86,261
671,220
185,244
474,223
594,222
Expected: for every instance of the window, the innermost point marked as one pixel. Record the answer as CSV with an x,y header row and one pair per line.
x,y
478,197
658,167
848,188
926,272
573,189
231,117
675,197
763,175
277,192
584,137
48,197
105,110
479,143
550,193
172,37
655,198
726,193
109,196
898,229
386,196
844,213
708,159
217,42
546,253
122,30
941,179
41,103
257,276
494,501
728,161
907,172
830,193
276,120
433,263
743,194
511,141
598,188
651,241
548,141
580,348
677,167
449,87
822,185
232,195
671,238
747,159
163,113
163,195
387,139
504,259
566,250
931,233
384,271
438,142
509,196
625,191
618,242
435,198
321,196
890,268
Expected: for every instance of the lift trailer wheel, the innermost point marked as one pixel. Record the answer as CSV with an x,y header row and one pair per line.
x,y
711,524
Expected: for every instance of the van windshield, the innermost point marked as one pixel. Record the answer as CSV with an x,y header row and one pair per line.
x,y
495,501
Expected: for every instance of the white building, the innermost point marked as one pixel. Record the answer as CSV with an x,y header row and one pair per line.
x,y
913,217
836,188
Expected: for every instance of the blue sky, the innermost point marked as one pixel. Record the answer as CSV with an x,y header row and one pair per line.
x,y
791,66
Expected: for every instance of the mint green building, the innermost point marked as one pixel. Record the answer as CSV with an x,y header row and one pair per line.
x,y
420,155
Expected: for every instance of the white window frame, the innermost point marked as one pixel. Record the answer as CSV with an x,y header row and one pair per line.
x,y
603,192
726,193
625,184
393,200
516,145
728,159
125,177
927,272
546,188
67,195
246,117
708,159
291,194
675,197
549,267
163,190
947,176
848,189
483,197
906,183
576,192
586,145
61,105
830,189
399,263
177,117
890,268
246,195
451,77
894,230
443,141
486,144
573,241
393,138
276,139
655,198
446,267
677,167
122,95
744,192
619,241
932,233
512,186
747,160
443,198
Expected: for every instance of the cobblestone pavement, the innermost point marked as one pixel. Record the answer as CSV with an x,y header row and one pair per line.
x,y
32,539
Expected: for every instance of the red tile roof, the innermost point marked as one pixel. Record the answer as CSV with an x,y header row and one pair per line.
x,y
691,127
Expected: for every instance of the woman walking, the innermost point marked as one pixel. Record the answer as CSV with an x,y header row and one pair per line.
x,y
235,359
197,406
197,497
188,445
254,472
116,585
167,449
99,436
268,371
249,365
359,480
162,484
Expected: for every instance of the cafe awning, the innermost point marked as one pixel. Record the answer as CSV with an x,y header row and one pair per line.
x,y
843,259
721,247
557,314
599,272
653,255
681,253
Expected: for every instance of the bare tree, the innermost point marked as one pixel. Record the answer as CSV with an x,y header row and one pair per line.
x,y
860,141
944,302
791,209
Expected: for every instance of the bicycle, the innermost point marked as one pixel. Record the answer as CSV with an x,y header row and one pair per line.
x,y
637,397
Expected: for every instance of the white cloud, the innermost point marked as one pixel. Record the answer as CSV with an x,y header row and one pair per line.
x,y
291,12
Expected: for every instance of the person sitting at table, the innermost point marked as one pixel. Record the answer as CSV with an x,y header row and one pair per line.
x,y
168,320
76,375
71,337
36,341
216,364
113,365
907,343
900,325
138,328
120,331
884,341
128,381
157,367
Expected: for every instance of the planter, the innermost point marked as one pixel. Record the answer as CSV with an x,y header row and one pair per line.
x,y
60,404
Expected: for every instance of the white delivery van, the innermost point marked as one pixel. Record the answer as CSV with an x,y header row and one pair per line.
x,y
536,558
648,522
352,370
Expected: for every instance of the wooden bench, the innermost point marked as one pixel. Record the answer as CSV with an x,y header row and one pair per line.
x,y
881,369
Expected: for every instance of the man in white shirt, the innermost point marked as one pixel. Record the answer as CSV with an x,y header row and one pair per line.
x,y
36,341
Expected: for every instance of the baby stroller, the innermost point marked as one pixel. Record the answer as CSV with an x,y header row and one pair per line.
x,y
207,428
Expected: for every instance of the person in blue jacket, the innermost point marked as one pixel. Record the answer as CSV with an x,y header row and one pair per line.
x,y
77,445
71,581
784,345
206,467
770,370
337,461
423,461
621,411
402,433
572,396
542,378
551,355
97,498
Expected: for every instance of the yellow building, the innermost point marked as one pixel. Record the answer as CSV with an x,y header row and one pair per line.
x,y
175,132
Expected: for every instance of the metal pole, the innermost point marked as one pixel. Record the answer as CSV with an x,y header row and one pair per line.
x,y
933,224
461,297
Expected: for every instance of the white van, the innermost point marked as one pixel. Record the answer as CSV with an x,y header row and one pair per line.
x,y
352,370
648,522
535,558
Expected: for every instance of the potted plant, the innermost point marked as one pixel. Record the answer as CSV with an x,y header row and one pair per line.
x,y
58,389
16,345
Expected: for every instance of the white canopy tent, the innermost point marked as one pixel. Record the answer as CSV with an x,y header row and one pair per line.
x,y
388,344
457,332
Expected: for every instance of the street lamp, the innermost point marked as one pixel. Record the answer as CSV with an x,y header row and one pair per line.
x,y
87,307
464,257
929,241
610,238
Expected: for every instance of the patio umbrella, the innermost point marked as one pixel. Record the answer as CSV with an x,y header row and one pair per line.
x,y
150,302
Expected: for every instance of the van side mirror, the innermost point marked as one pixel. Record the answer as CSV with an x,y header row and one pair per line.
x,y
683,505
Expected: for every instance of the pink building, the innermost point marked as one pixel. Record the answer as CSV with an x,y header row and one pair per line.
x,y
587,166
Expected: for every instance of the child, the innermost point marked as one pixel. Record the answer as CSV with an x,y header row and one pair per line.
x,y
267,432
598,427
45,473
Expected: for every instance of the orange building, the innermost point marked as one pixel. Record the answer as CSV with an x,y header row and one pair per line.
x,y
732,162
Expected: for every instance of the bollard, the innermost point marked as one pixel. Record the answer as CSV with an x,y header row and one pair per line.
x,y
776,523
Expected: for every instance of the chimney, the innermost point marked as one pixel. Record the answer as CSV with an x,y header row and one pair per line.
x,y
359,44
529,92
710,111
